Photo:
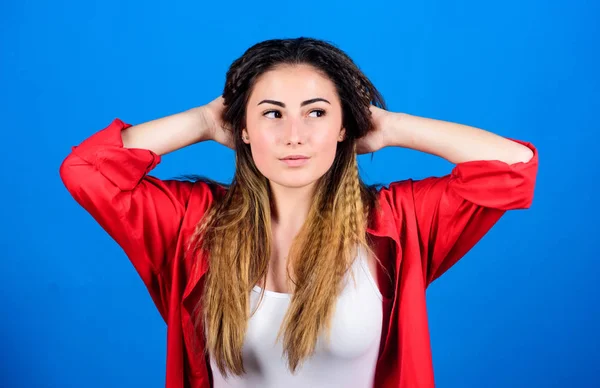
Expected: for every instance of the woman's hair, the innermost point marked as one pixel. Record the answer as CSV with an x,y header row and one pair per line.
x,y
236,230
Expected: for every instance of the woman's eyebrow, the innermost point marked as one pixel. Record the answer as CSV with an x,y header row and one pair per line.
x,y
281,104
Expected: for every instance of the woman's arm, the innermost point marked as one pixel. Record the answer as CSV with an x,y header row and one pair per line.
x,y
450,214
108,175
454,142
171,133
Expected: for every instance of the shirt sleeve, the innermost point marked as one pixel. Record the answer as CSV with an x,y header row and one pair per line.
x,y
141,213
454,212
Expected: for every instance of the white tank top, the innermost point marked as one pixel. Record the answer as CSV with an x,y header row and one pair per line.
x,y
347,361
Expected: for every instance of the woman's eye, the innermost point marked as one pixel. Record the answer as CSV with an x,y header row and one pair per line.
x,y
319,113
275,114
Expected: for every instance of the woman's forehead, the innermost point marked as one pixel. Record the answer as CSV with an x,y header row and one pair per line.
x,y
292,85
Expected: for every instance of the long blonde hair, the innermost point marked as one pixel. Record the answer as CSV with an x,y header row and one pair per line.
x,y
236,230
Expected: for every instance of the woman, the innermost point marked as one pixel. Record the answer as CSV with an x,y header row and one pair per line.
x,y
297,274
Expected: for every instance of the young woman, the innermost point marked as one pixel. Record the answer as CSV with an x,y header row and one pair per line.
x,y
296,274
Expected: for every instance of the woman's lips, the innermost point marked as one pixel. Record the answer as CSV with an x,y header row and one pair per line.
x,y
295,160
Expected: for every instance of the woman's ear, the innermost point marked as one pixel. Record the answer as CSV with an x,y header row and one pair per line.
x,y
342,135
245,137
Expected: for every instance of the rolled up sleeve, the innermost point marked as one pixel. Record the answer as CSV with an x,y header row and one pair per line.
x,y
143,214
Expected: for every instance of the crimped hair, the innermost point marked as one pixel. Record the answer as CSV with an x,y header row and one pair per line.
x,y
236,230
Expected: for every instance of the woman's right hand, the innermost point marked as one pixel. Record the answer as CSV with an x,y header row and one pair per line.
x,y
212,120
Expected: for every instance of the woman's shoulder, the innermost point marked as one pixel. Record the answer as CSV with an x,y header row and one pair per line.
x,y
397,190
201,189
399,198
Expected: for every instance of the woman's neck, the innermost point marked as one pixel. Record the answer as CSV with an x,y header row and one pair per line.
x,y
290,206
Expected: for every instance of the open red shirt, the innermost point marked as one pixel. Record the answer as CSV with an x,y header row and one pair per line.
x,y
423,228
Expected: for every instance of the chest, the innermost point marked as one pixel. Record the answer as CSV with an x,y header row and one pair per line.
x,y
379,264
350,353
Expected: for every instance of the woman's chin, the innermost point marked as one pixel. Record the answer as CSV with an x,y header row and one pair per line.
x,y
295,181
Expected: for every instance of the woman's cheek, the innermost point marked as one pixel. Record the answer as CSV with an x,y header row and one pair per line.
x,y
328,156
262,158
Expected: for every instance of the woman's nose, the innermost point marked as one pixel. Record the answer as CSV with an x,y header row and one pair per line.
x,y
293,133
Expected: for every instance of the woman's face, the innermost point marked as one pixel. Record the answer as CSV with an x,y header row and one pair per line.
x,y
293,125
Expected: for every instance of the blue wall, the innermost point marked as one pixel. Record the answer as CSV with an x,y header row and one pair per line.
x,y
520,310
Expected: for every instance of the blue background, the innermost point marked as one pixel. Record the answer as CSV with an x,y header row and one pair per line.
x,y
520,310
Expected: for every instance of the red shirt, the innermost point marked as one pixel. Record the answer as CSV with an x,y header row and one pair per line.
x,y
424,227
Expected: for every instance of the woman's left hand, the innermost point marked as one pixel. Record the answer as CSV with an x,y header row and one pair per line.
x,y
376,139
